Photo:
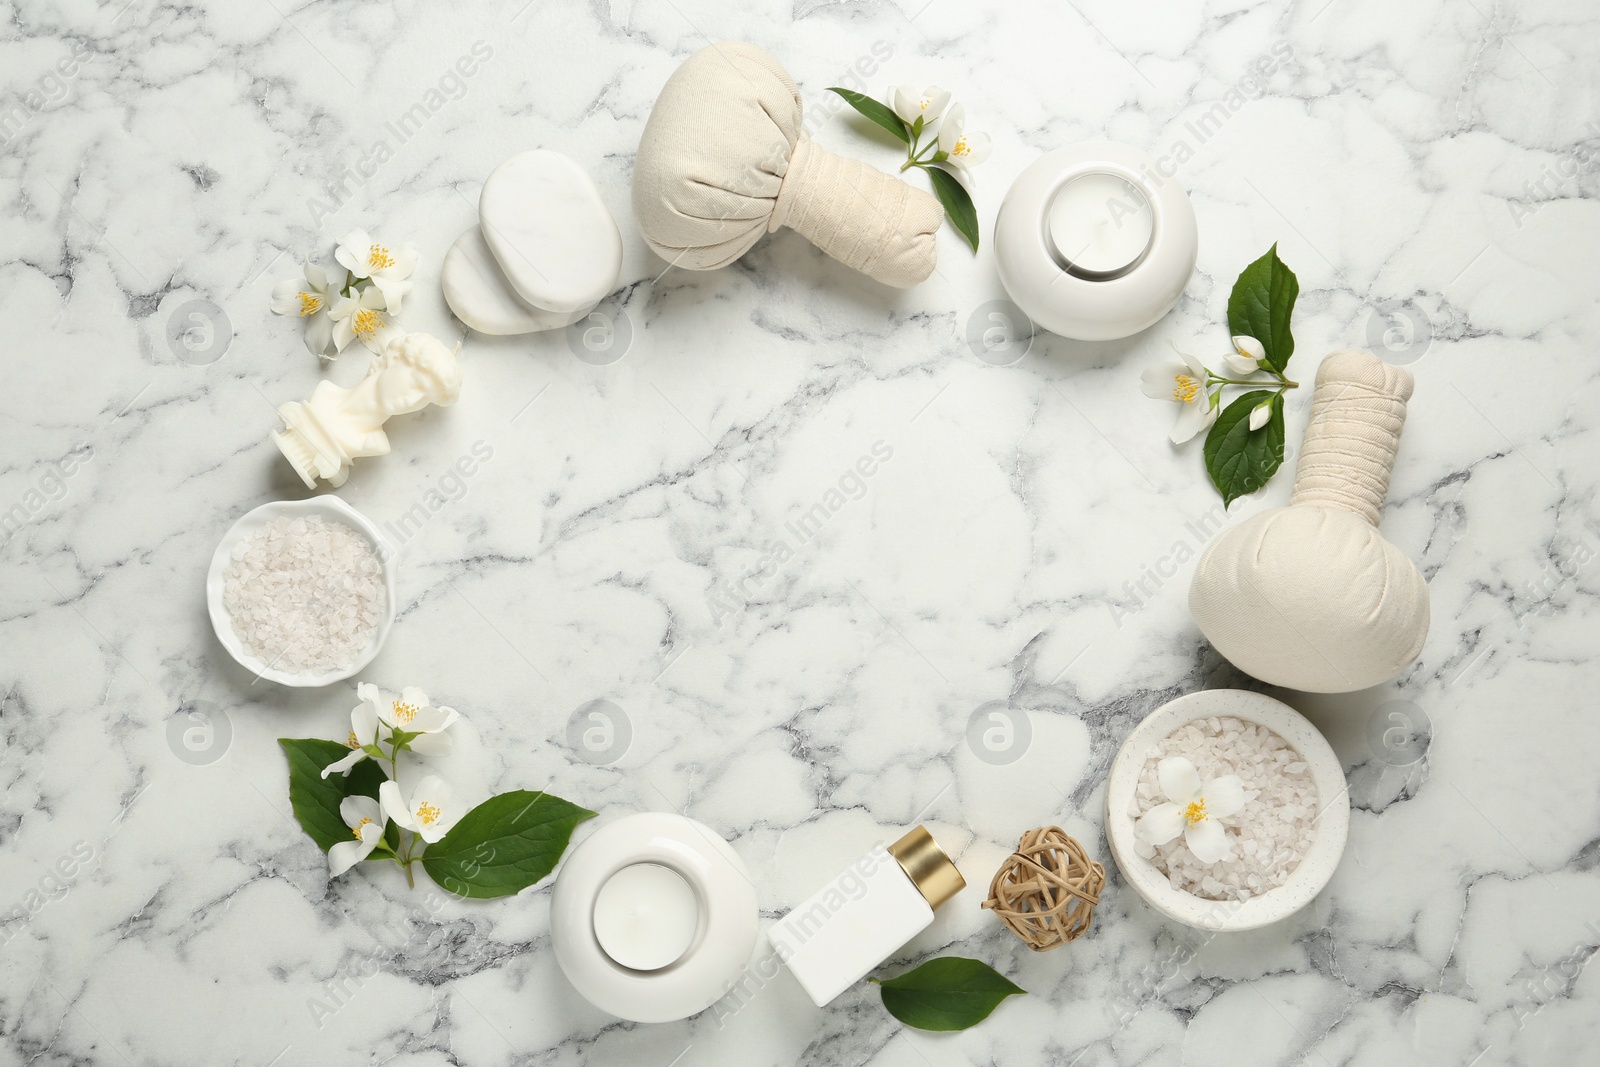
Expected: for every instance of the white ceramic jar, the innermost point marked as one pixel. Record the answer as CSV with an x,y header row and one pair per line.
x,y
1094,243
653,917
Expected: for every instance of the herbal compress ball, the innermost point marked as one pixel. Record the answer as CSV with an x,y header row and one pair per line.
x,y
1311,596
723,161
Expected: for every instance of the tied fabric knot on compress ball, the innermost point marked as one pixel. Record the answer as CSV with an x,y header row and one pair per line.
x,y
724,160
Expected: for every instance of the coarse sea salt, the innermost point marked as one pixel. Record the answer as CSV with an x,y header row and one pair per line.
x,y
305,594
1269,835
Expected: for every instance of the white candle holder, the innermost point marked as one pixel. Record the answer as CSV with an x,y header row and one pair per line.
x,y
725,919
1088,281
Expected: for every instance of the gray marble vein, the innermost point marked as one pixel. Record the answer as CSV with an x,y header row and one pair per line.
x,y
647,529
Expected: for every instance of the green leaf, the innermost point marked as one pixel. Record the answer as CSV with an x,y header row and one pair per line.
x,y
503,845
957,203
1238,459
876,111
315,799
1260,305
948,993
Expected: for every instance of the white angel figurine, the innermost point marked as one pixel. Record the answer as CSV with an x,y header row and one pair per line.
x,y
321,436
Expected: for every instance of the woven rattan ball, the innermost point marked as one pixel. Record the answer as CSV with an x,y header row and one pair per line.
x,y
1046,890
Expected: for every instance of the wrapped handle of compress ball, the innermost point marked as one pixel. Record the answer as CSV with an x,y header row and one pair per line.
x,y
859,215
1356,417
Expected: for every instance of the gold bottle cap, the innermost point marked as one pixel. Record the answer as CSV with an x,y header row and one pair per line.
x,y
930,870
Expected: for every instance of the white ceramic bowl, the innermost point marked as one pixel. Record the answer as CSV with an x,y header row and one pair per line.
x,y
1072,306
328,507
1327,844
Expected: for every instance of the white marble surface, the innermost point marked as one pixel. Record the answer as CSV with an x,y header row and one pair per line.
x,y
1397,156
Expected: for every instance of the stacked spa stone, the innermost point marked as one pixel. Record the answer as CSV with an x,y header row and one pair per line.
x,y
545,252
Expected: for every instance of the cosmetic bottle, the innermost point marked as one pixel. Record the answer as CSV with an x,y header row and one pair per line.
x,y
859,919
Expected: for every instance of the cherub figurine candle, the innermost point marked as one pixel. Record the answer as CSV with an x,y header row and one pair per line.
x,y
321,436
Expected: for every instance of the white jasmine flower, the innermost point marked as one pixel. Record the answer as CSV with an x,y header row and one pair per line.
x,y
411,712
425,811
361,318
1246,356
911,105
1184,383
962,148
389,268
1260,414
309,297
1194,808
366,821
363,731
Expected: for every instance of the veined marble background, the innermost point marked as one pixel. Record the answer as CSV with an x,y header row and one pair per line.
x,y
1429,170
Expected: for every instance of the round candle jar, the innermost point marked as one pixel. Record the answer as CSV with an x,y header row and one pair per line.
x,y
1093,243
653,917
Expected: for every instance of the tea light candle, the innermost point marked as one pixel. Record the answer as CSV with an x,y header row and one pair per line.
x,y
1095,241
1100,226
645,916
653,917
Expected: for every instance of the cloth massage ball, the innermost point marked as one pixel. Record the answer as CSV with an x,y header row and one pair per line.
x,y
724,160
1310,596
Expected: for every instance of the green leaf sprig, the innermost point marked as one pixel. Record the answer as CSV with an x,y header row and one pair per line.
x,y
957,202
1245,445
947,993
496,849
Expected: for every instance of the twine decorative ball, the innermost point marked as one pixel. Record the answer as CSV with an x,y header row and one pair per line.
x,y
1046,890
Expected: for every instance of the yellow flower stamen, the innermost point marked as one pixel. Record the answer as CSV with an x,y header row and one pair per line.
x,y
961,148
378,257
1185,389
1195,812
404,712
352,741
310,304
366,323
357,827
427,814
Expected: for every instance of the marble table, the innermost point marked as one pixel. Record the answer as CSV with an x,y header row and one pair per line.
x,y
1022,547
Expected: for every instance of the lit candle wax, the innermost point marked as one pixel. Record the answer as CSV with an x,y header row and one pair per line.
x,y
1100,225
645,916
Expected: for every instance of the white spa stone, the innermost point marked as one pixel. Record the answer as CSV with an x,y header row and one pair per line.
x,y
544,221
482,297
